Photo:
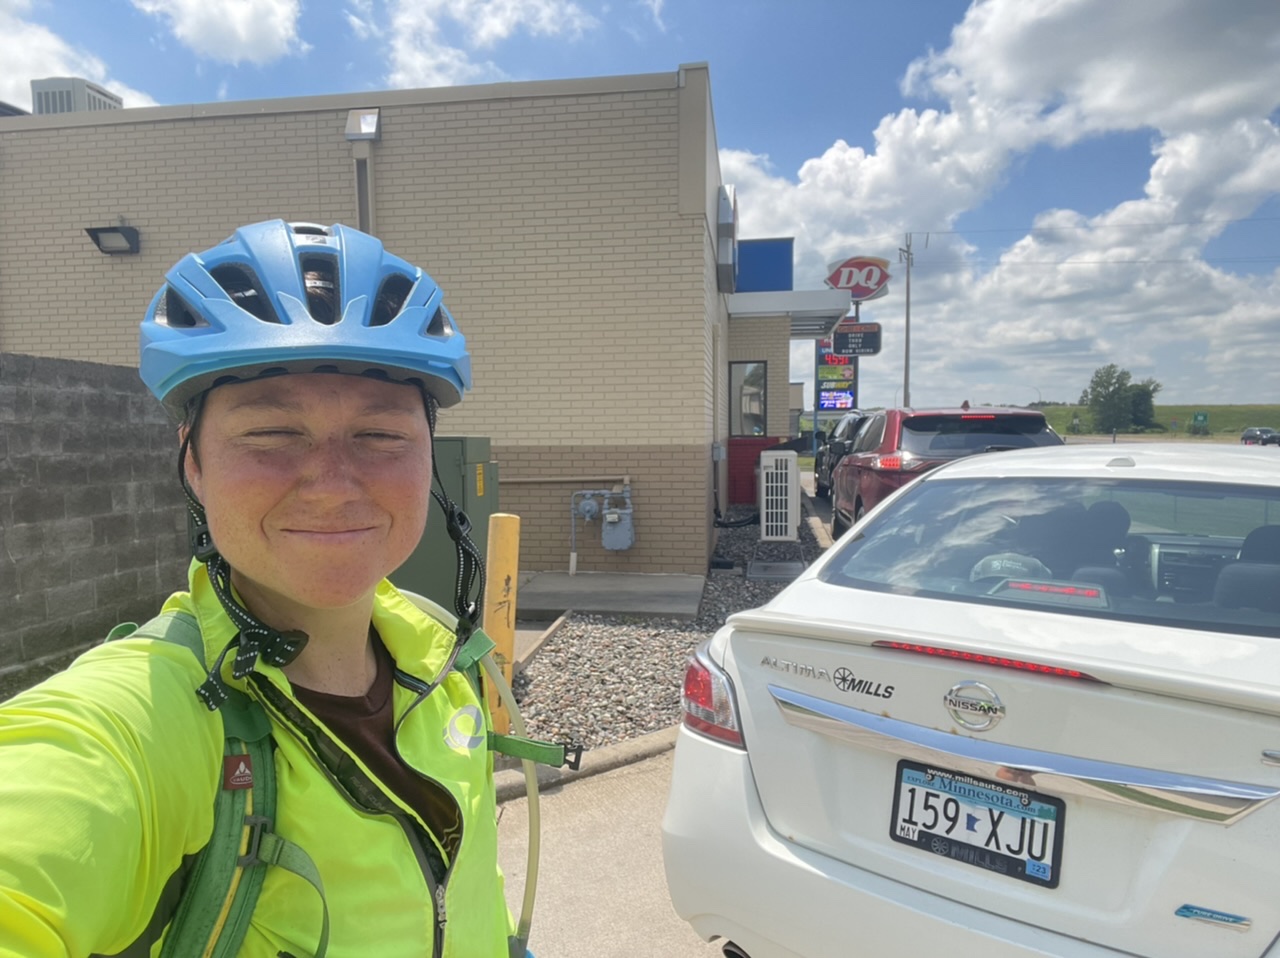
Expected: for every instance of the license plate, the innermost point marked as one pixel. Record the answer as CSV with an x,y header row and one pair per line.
x,y
993,825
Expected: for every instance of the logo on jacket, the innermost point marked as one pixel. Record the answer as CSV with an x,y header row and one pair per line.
x,y
465,729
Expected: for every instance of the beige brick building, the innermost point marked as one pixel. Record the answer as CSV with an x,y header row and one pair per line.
x,y
574,226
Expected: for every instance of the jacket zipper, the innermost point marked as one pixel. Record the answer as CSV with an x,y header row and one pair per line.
x,y
424,690
435,889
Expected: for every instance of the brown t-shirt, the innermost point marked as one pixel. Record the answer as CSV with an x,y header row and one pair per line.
x,y
365,724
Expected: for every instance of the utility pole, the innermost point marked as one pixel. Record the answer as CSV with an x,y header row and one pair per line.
x,y
905,256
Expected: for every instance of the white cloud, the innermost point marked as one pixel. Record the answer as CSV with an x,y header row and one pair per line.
x,y
232,31
425,53
1118,287
30,51
1083,66
361,20
655,10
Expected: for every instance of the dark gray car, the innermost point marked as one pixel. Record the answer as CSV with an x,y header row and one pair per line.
x,y
832,447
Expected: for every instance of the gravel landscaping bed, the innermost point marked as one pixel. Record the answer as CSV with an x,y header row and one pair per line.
x,y
604,679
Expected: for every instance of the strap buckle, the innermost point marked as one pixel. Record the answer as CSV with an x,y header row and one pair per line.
x,y
258,825
572,755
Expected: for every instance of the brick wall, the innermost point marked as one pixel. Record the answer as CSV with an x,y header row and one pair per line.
x,y
92,525
668,495
567,222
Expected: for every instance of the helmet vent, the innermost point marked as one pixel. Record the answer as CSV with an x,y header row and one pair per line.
x,y
320,276
392,293
240,283
172,310
441,325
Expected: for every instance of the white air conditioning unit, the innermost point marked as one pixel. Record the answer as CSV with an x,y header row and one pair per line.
x,y
779,497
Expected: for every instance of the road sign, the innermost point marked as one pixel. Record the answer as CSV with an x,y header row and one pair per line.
x,y
865,277
856,339
1200,419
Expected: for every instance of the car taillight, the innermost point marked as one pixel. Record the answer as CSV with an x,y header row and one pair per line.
x,y
977,658
895,463
707,700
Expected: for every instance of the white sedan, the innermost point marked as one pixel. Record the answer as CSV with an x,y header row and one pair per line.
x,y
1028,706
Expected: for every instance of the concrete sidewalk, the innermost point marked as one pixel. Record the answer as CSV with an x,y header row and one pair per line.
x,y
601,889
546,595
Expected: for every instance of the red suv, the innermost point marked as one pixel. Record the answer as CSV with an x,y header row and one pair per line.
x,y
896,445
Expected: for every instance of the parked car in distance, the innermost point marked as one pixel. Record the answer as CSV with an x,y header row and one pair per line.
x,y
897,445
1030,707
832,447
1260,436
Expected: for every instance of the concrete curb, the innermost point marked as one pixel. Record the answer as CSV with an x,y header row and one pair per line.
x,y
527,655
820,530
510,783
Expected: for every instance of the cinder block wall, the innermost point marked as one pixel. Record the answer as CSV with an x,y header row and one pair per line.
x,y
92,524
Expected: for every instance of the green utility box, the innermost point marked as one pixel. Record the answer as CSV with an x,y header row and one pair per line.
x,y
470,479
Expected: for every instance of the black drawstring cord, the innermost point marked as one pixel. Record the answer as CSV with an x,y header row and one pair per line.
x,y
254,639
470,579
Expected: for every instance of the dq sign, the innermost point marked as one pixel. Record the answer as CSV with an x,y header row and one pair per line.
x,y
865,277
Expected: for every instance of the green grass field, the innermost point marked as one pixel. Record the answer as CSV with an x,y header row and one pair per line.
x,y
1224,421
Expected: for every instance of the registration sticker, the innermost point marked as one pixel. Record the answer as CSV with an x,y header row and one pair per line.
x,y
993,825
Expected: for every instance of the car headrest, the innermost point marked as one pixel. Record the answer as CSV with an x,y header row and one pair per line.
x,y
1248,585
1261,545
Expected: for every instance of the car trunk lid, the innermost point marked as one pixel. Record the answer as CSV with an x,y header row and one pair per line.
x,y
1128,805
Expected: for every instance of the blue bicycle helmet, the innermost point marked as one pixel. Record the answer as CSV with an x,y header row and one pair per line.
x,y
282,297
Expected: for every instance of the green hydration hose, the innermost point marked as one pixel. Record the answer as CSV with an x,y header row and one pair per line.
x,y
521,941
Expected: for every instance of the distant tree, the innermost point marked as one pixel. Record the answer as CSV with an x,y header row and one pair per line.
x,y
1117,403
1108,399
1142,404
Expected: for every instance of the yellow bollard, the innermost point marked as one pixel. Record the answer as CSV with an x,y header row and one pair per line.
x,y
502,567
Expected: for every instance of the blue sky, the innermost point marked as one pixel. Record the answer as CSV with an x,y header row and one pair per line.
x,y
1085,181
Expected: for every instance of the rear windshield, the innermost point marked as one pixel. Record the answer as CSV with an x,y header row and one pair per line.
x,y
1196,555
942,437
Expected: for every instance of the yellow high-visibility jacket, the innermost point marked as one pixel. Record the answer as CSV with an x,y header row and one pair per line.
x,y
109,770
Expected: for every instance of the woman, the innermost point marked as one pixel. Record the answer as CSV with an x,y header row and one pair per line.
x,y
306,365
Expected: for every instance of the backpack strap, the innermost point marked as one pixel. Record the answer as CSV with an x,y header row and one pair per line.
x,y
221,883
555,754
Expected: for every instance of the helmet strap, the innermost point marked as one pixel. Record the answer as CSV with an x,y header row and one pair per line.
x,y
468,583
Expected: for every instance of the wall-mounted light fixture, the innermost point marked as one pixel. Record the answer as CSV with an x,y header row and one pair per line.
x,y
115,239
364,124
364,128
